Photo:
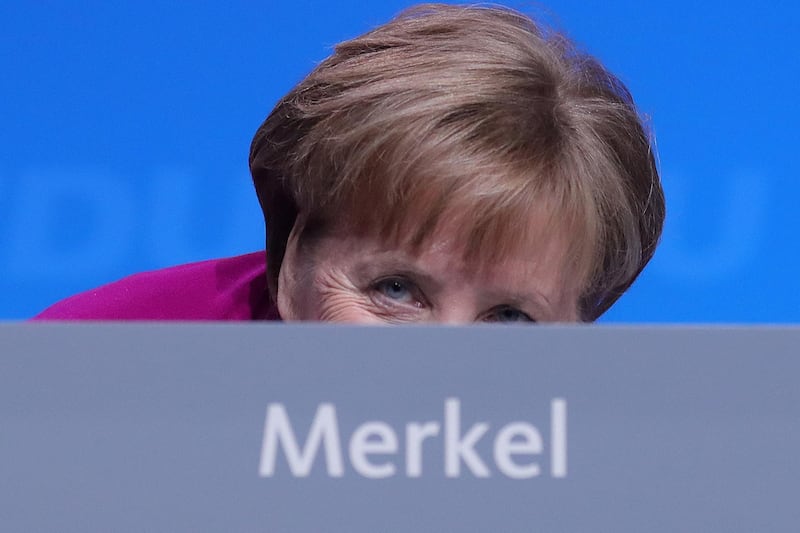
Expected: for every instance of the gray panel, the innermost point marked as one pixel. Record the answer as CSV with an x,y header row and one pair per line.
x,y
155,427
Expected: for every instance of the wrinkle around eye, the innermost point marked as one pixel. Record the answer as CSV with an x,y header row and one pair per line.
x,y
359,311
341,309
340,301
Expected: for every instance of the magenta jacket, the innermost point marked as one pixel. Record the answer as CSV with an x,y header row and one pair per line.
x,y
233,288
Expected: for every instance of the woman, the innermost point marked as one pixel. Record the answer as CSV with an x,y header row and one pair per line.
x,y
456,165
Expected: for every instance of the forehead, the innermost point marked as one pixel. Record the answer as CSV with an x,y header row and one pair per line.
x,y
487,236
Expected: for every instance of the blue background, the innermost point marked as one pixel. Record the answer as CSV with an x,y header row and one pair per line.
x,y
126,127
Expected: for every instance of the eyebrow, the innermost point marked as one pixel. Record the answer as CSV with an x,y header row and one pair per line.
x,y
518,297
399,264
540,300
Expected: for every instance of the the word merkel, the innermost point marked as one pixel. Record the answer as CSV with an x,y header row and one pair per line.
x,y
374,446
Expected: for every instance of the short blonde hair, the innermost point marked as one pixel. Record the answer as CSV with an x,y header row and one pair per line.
x,y
470,108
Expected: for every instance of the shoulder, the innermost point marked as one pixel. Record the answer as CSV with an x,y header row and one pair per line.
x,y
233,288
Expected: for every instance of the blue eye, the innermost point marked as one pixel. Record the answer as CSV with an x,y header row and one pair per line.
x,y
395,289
508,314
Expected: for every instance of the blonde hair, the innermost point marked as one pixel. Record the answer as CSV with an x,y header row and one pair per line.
x,y
466,109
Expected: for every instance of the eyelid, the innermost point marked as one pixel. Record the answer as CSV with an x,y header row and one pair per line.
x,y
528,318
413,288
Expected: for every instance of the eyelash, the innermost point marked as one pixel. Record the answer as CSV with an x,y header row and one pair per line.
x,y
525,316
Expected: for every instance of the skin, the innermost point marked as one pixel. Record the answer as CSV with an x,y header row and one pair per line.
x,y
346,278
